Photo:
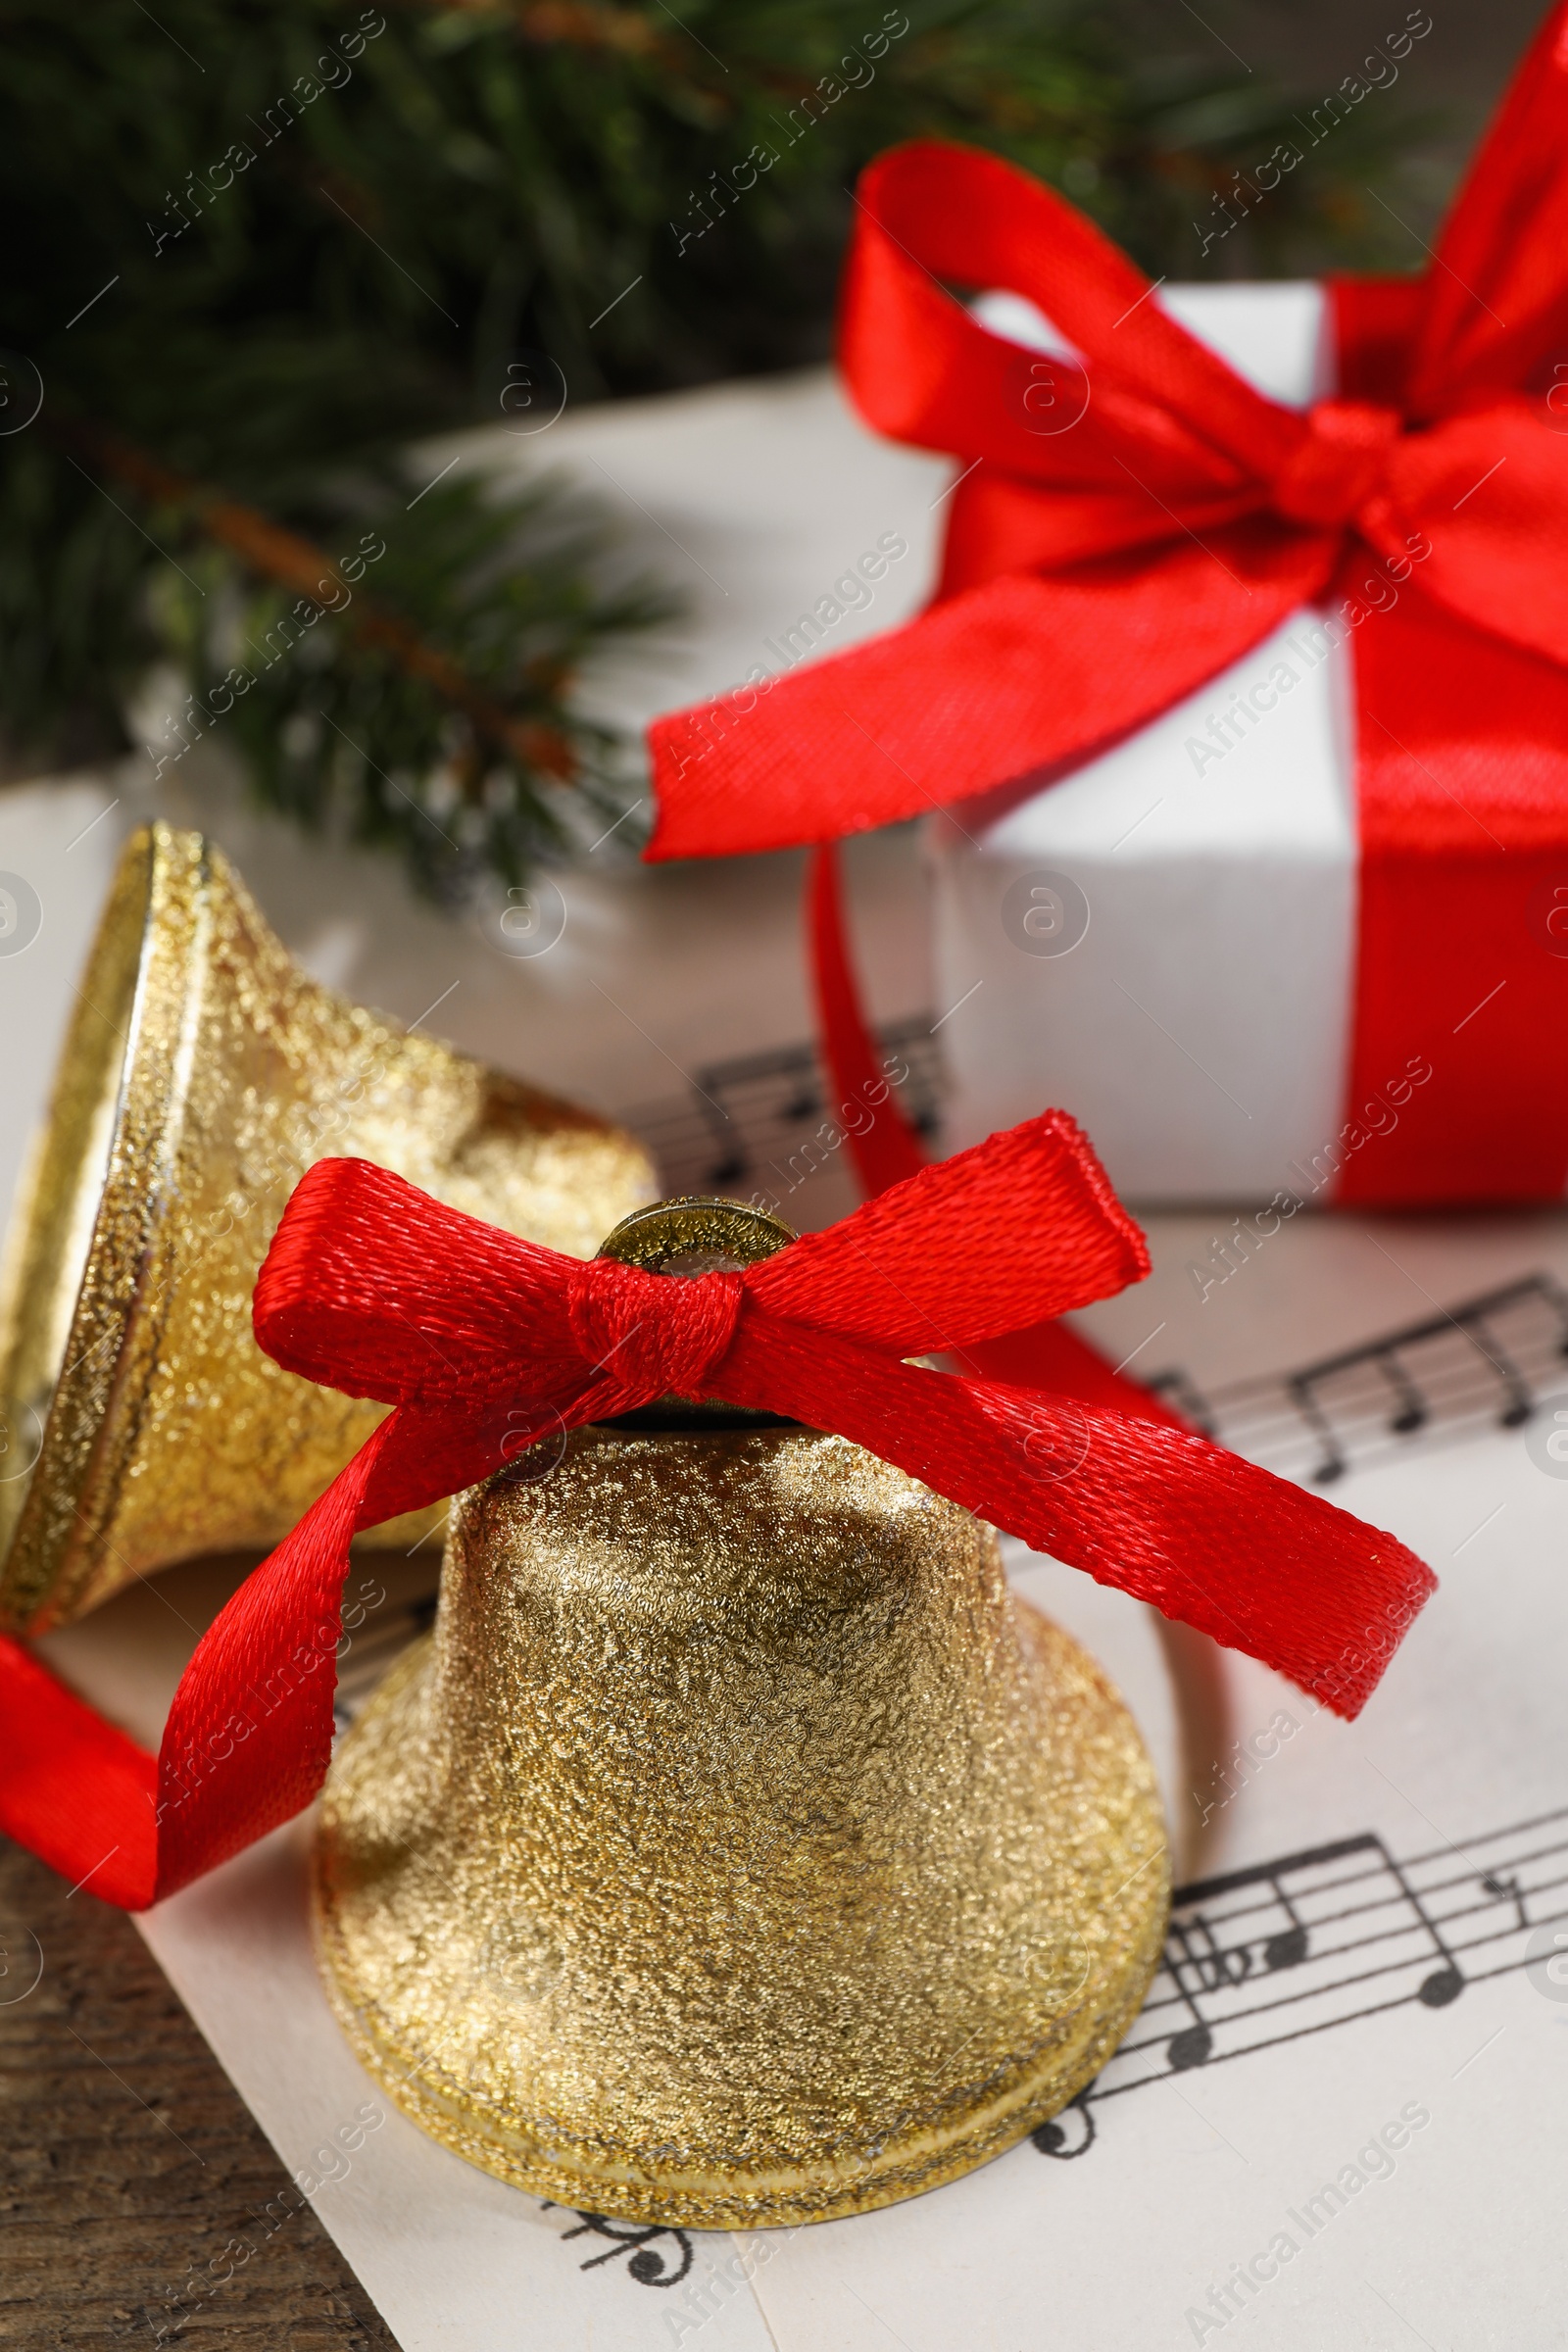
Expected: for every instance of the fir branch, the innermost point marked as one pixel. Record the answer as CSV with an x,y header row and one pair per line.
x,y
293,561
574,23
507,589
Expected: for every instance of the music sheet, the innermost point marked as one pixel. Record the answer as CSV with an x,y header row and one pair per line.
x,y
1336,2120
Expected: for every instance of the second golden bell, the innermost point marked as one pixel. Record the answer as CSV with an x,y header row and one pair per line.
x,y
203,1073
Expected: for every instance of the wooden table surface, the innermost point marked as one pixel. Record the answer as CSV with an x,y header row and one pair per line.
x,y
132,2175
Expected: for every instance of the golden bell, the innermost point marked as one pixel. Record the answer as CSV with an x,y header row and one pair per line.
x,y
203,1073
737,1850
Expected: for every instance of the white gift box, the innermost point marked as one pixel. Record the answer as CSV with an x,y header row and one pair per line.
x,y
1164,941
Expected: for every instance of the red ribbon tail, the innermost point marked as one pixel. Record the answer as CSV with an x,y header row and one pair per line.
x,y
74,1791
1051,1356
1157,1513
887,1150
248,1735
247,1740
1046,1355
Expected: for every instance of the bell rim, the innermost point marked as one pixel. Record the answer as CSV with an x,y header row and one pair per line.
x,y
47,1567
902,2171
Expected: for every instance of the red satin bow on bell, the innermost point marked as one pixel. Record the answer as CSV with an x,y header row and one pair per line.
x,y
1126,528
484,1344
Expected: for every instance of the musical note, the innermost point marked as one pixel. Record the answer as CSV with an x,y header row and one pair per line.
x,y
1412,1412
648,2266
1472,1320
755,1115
729,1159
1229,1935
1193,1949
1192,2044
1510,1886
1484,1363
1289,1949
1067,2135
1332,1936
1444,1984
1331,1463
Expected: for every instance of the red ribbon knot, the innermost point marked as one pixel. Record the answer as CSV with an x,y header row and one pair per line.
x,y
654,1333
1338,464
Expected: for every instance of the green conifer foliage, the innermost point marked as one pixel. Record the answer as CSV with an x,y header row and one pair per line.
x,y
259,246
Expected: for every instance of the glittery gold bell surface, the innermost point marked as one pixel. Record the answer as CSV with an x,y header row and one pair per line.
x,y
737,1849
203,1073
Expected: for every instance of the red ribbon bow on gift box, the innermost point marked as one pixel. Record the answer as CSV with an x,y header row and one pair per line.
x,y
1093,575
484,1344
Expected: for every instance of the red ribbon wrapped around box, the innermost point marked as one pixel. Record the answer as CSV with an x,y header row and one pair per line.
x,y
482,1343
1095,576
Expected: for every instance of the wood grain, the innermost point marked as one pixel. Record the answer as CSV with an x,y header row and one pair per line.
x,y
131,2174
